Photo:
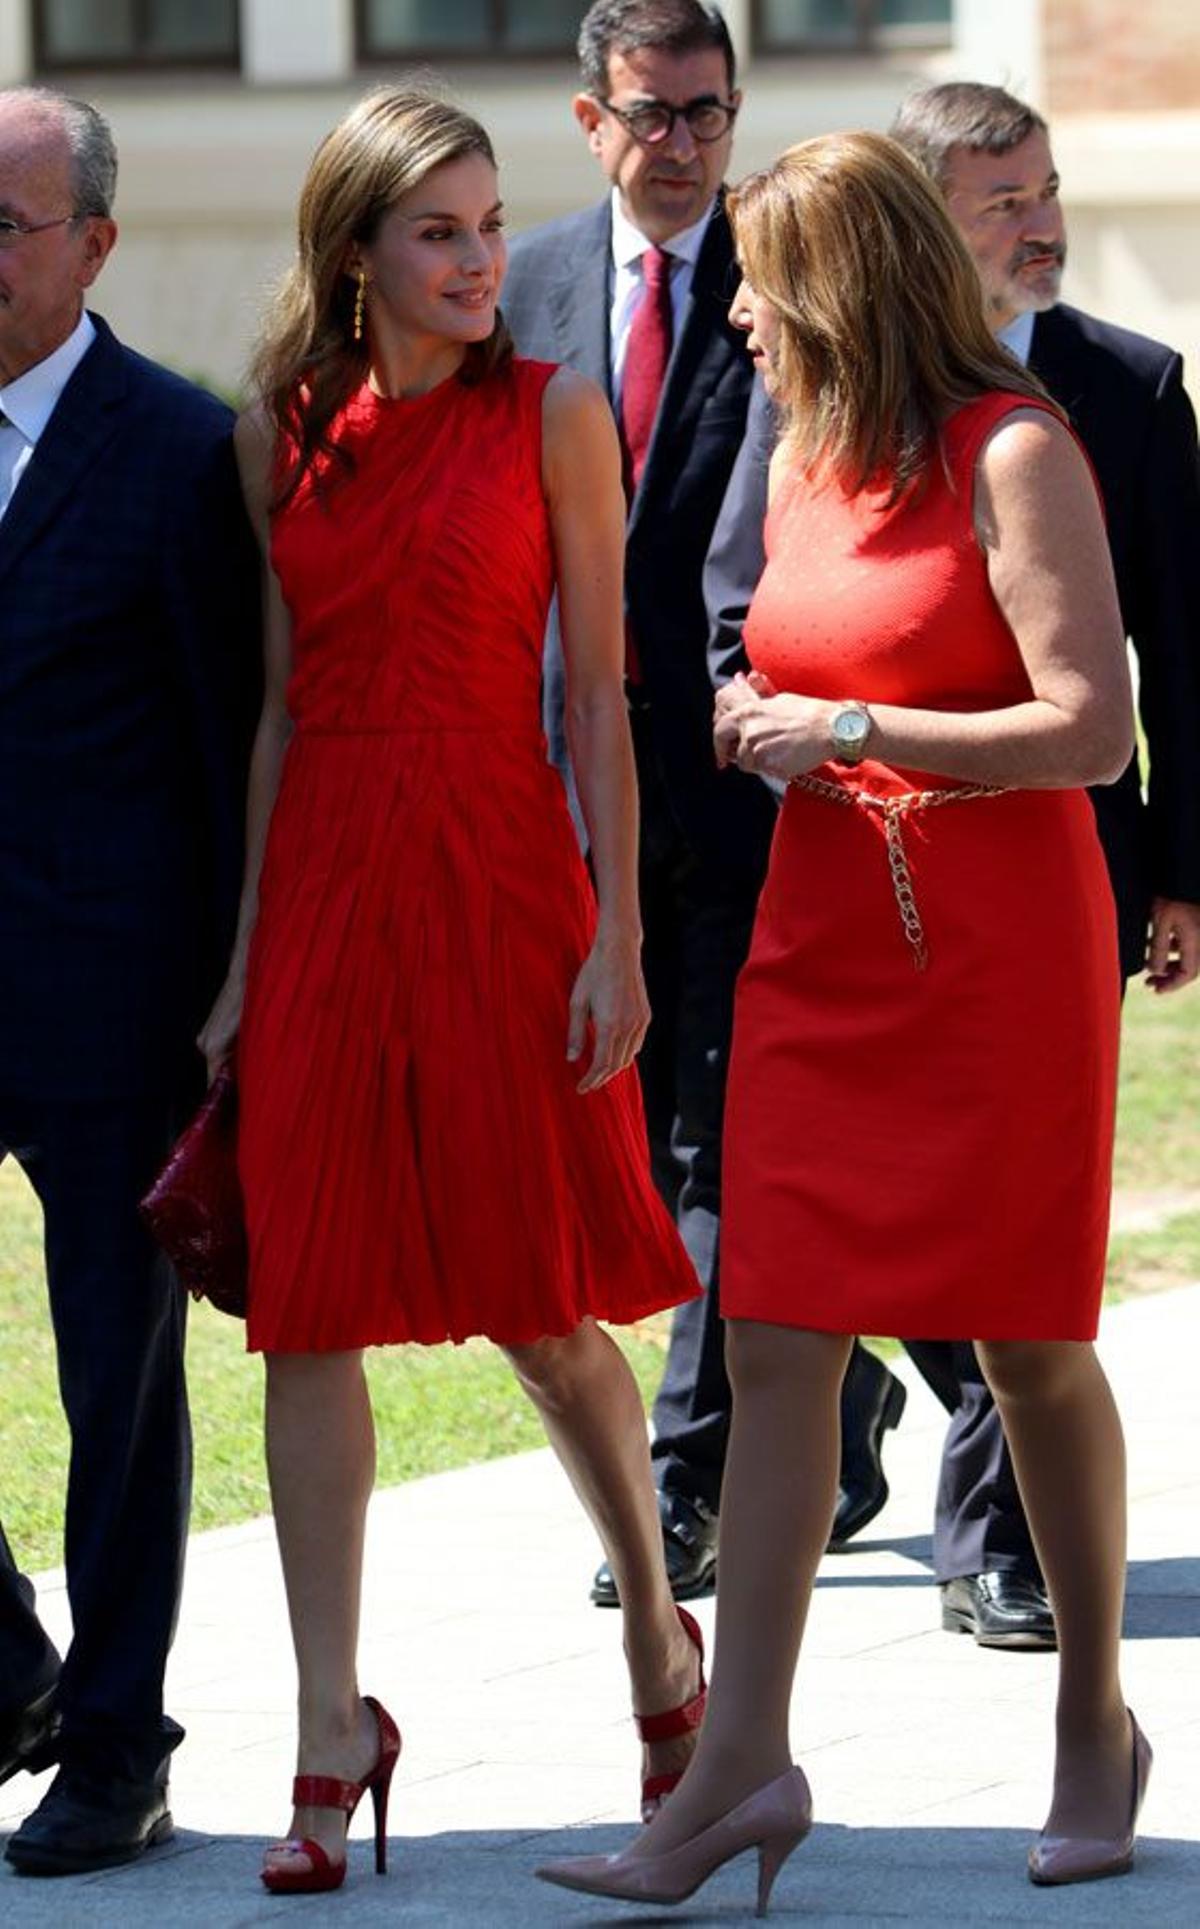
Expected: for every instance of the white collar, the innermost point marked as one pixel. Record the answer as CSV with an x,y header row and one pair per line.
x,y
1017,336
629,244
31,399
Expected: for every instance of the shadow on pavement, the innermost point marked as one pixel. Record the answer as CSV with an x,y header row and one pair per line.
x,y
485,1877
1162,1598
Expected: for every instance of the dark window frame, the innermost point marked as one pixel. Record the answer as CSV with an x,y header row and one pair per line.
x,y
492,49
46,62
873,35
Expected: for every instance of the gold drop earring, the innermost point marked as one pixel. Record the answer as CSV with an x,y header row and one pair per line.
x,y
360,302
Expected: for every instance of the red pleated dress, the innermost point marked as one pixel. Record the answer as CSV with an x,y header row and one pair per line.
x,y
918,1152
416,1160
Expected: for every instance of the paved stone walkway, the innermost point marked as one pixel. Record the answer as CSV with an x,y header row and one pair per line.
x,y
928,1757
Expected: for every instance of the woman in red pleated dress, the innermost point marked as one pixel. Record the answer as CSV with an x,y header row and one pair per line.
x,y
440,1132
920,1113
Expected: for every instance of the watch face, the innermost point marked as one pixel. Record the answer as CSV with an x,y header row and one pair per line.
x,y
850,730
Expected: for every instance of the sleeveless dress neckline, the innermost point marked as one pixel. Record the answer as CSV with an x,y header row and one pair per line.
x,y
438,394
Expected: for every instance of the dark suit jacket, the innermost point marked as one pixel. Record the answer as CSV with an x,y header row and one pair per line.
x,y
128,653
1125,396
557,300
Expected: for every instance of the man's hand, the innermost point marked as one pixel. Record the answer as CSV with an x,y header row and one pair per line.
x,y
1173,953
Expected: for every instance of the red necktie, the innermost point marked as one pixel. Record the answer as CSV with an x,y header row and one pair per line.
x,y
647,353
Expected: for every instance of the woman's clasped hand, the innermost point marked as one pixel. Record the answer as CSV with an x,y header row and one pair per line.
x,y
769,732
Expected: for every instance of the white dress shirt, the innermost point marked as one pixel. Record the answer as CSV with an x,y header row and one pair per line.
x,y
1017,336
629,244
27,404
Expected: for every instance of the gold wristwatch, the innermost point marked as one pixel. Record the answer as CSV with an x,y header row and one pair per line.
x,y
849,731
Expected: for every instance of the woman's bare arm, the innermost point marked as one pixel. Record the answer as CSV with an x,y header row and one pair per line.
x,y
254,446
582,480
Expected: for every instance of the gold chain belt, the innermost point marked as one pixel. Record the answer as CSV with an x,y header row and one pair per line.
x,y
894,810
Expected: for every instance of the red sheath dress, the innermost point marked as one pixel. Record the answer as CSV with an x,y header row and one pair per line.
x,y
920,1152
417,1162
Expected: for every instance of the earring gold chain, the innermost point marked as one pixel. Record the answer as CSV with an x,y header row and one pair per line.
x,y
360,303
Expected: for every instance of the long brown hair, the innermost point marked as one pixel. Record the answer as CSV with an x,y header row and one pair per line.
x,y
307,364
883,330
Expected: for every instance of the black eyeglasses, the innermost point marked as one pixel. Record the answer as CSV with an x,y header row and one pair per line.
x,y
13,231
651,122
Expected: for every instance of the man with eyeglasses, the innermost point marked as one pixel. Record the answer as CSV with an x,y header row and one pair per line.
x,y
127,650
634,292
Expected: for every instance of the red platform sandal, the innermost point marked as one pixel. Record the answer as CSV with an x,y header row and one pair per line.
x,y
326,1791
671,1723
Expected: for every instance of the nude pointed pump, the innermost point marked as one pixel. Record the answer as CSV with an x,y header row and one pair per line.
x,y
1058,1859
321,1872
774,1820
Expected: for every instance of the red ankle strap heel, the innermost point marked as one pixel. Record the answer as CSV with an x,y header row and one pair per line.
x,y
671,1723
326,1791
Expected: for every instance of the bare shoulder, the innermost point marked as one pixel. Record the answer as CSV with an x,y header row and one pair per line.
x,y
1035,487
1032,474
579,436
573,401
254,432
254,446
1028,446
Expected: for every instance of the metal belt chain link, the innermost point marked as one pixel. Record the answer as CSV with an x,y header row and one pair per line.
x,y
894,810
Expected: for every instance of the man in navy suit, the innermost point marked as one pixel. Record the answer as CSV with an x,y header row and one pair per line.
x,y
127,619
657,106
990,156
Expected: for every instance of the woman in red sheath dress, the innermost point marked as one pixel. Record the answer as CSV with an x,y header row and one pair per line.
x,y
441,1132
920,1112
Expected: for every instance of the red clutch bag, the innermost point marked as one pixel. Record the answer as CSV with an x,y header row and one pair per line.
x,y
194,1208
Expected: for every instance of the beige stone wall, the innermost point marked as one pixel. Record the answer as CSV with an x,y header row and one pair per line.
x,y
1120,56
210,166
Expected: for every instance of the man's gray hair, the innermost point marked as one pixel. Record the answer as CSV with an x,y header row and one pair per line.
x,y
962,113
90,140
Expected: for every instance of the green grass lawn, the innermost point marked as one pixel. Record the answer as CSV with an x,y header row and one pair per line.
x,y
445,1406
1158,1127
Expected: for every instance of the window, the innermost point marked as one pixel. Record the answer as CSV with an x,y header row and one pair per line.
x,y
135,33
391,28
848,25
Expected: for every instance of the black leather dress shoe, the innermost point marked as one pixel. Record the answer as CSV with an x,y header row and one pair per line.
x,y
872,1401
83,1823
28,1739
1002,1609
690,1545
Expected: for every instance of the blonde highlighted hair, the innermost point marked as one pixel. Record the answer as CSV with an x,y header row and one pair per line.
x,y
307,364
883,330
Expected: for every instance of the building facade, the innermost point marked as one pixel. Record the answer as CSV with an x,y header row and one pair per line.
x,y
218,104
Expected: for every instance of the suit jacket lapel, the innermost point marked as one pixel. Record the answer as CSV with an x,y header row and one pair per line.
x,y
581,299
702,350
85,418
